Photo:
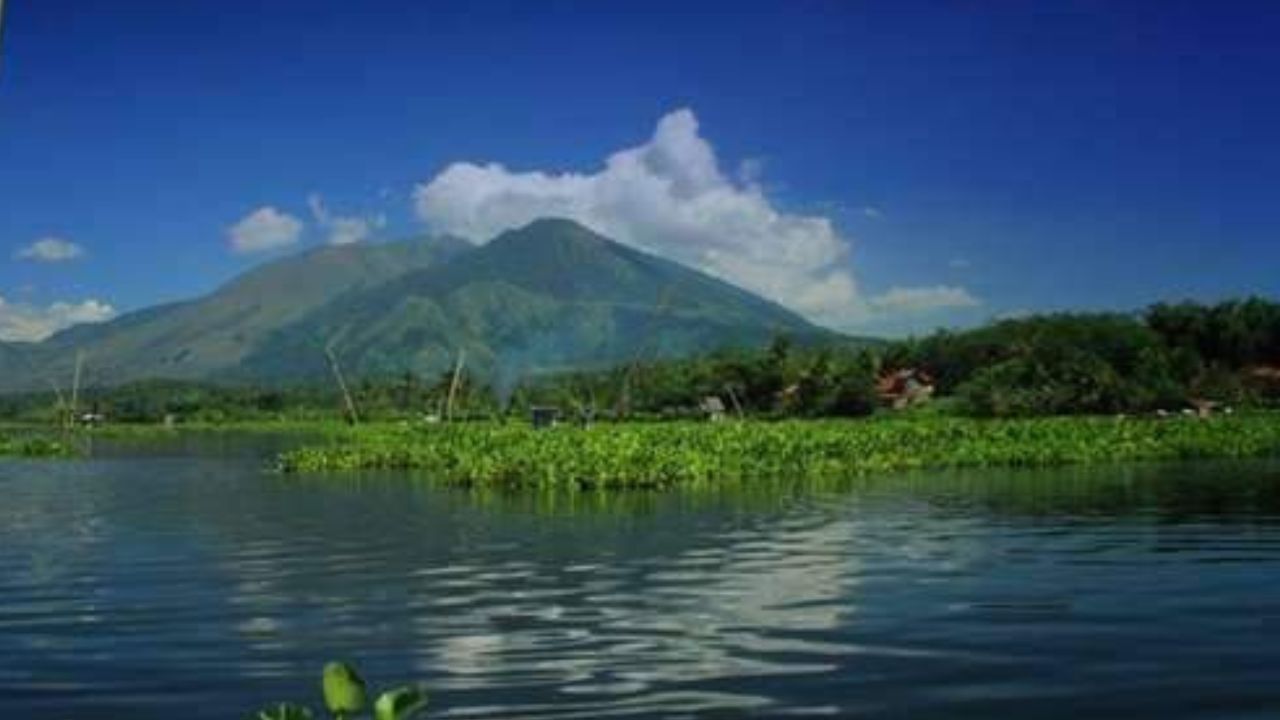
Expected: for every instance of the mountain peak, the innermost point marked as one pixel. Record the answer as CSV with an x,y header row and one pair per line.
x,y
553,229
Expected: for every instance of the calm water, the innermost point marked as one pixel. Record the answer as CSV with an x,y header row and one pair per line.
x,y
200,587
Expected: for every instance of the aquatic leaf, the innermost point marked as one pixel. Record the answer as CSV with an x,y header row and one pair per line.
x,y
400,704
344,690
285,711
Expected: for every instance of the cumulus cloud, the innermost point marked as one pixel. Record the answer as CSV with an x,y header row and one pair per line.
x,y
670,197
264,229
343,230
901,300
51,250
27,322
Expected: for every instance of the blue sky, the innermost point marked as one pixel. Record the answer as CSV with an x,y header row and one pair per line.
x,y
897,165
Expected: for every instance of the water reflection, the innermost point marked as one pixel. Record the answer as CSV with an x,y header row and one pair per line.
x,y
202,585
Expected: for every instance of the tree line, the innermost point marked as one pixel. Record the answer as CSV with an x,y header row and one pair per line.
x,y
1163,358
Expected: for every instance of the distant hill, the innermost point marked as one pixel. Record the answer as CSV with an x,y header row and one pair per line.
x,y
209,337
552,295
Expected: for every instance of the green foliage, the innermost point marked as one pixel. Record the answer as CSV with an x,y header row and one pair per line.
x,y
344,689
660,455
1105,363
345,697
1169,358
1084,363
1234,334
33,446
400,703
1075,382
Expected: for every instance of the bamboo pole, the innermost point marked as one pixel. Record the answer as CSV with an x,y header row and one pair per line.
x,y
664,300
75,384
352,416
734,397
453,384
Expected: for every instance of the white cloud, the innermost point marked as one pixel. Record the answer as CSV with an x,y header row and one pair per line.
x,y
343,230
669,197
959,263
871,212
901,300
264,229
26,322
51,250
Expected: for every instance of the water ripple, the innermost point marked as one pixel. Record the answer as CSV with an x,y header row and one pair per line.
x,y
156,586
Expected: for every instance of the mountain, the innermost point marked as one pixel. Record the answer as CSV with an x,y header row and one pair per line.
x,y
209,337
551,295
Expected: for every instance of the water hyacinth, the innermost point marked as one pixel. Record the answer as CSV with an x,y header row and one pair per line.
x,y
33,446
399,704
346,696
662,455
344,689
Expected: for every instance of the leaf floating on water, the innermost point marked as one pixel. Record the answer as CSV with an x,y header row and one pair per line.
x,y
344,689
400,704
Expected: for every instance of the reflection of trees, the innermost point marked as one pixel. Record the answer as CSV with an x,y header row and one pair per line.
x,y
1229,490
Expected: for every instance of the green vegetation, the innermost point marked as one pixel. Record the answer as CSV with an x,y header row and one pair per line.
x,y
33,446
1171,358
658,455
346,698
1168,358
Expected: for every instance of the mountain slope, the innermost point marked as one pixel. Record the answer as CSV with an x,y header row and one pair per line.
x,y
210,336
550,295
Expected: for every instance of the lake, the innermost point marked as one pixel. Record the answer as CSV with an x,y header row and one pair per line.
x,y
153,583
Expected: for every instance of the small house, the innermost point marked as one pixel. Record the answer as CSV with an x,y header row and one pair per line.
x,y
544,416
904,388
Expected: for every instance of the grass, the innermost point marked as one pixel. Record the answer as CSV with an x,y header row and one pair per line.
x,y
670,454
265,427
19,439
33,446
